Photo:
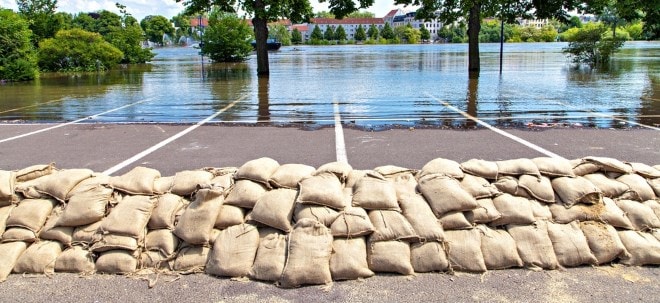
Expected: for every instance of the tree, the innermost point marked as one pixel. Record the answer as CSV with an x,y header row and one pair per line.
x,y
296,36
329,33
587,45
279,32
387,32
360,34
128,38
424,33
77,50
373,32
340,33
18,60
41,17
361,14
182,25
228,38
155,27
324,14
316,35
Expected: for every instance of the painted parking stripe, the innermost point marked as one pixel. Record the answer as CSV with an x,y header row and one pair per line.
x,y
608,116
498,131
340,144
169,140
73,122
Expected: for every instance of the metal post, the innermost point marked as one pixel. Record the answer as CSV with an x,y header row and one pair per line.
x,y
201,42
501,38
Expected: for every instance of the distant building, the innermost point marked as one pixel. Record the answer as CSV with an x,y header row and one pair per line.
x,y
350,25
538,23
401,18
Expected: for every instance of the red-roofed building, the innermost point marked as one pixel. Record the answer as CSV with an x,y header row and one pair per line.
x,y
350,25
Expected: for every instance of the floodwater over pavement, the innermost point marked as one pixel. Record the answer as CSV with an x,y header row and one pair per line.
x,y
374,87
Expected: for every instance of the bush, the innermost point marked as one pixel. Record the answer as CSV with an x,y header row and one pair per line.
x,y
227,39
77,50
587,45
18,61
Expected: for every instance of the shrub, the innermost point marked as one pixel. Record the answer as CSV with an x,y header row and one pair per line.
x,y
587,45
77,50
18,61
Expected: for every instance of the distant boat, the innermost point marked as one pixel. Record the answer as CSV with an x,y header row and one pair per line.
x,y
271,44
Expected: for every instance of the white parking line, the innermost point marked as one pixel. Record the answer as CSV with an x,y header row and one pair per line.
x,y
498,131
169,140
72,122
340,144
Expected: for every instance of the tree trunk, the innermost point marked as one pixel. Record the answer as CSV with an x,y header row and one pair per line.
x,y
474,27
261,36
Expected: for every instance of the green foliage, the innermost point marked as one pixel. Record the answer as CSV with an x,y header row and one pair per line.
x,y
587,45
329,33
41,16
279,32
77,50
182,25
406,34
316,33
453,33
128,39
387,32
324,14
425,35
155,27
361,14
228,38
17,56
373,32
360,34
296,36
340,33
85,22
635,30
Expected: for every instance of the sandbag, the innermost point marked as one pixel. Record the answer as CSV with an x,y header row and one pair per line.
x,y
638,185
108,242
481,168
89,183
644,170
223,177
288,175
164,214
7,188
85,234
229,216
191,258
186,182
389,257
539,188
9,254
245,193
138,181
258,170
234,251
129,217
614,216
486,212
428,257
75,260
352,178
582,168
196,223
374,192
352,222
420,216
275,209
554,167
39,258
19,234
116,262
652,204
390,225
163,185
464,250
155,259
4,215
534,245
456,220
517,167
478,187
579,212
643,248
87,206
606,164
34,171
404,183
609,187
514,210
444,194
570,245
498,248
58,184
641,216
388,171
271,255
509,185
339,169
540,210
322,189
31,214
603,241
52,232
443,167
576,190
323,214
308,259
161,240
655,184
349,259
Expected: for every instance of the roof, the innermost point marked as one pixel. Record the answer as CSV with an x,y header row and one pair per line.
x,y
194,22
300,27
392,13
347,21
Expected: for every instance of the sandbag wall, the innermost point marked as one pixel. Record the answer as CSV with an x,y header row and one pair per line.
x,y
294,224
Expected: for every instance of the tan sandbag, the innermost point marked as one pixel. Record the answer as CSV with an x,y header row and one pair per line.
x,y
234,251
390,257
34,171
186,182
478,187
644,170
445,194
75,260
323,214
606,164
19,234
116,262
31,214
322,189
582,168
481,168
339,169
443,167
275,209
191,258
164,214
245,193
538,188
609,187
138,181
108,242
641,216
374,192
498,248
428,257
514,210
404,183
271,255
229,216
39,258
7,188
579,212
51,231
643,248
162,240
485,213
308,259
554,167
391,225
85,185
163,185
258,170
540,210
352,222
570,245
534,245
214,235
652,204
613,215
9,254
129,217
58,184
196,223
288,175
576,190
603,241
509,185
85,234
389,171
223,177
655,184
4,215
155,259
86,207
420,216
464,250
639,186
456,220
517,167
349,259
352,178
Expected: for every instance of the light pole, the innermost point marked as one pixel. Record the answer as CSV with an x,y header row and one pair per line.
x,y
201,42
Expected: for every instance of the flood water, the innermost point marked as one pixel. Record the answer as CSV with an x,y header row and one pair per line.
x,y
375,87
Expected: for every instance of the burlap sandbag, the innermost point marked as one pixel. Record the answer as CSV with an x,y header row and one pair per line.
x,y
391,225
9,254
117,262
62,234
509,185
222,176
481,168
156,260
75,260
641,216
164,214
87,206
373,191
352,222
534,245
442,166
570,245
613,215
639,186
4,215
352,178
308,259
576,190
138,181
391,170
234,251
420,216
191,258
606,164
609,187
323,214
108,242
404,183
186,182
655,184
85,234
486,212
478,187
603,241
389,257
245,193
498,248
456,220
582,168
288,175
229,216
31,214
514,210
163,185
579,212
58,184
538,188
554,167
517,167
643,248
258,170
275,209
196,223
644,170
39,258
14,234
540,210
129,217
445,194
349,259
162,240
7,188
464,250
322,189
34,171
428,257
271,255
89,183
652,204
339,169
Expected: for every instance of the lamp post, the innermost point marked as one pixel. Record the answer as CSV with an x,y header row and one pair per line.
x,y
201,42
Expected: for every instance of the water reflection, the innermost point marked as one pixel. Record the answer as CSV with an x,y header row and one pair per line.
x,y
264,102
472,98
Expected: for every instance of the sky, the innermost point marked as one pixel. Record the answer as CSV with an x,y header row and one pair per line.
x,y
168,8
